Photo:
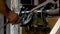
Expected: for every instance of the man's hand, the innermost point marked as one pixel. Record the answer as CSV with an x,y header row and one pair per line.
x,y
13,18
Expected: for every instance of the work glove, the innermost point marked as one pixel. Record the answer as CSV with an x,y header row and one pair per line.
x,y
13,18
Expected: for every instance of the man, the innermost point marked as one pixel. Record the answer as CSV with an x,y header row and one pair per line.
x,y
12,17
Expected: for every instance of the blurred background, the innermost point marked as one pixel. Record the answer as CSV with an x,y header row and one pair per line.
x,y
41,20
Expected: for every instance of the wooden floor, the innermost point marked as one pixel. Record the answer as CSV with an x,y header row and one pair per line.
x,y
52,21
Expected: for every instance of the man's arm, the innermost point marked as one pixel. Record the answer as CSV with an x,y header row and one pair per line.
x,y
12,17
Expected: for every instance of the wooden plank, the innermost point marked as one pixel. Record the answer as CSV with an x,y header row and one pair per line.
x,y
56,27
